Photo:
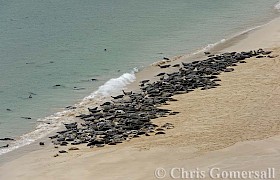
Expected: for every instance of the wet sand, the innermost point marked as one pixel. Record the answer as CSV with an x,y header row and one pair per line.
x,y
233,127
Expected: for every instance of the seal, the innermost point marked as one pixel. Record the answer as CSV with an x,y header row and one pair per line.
x,y
164,66
4,146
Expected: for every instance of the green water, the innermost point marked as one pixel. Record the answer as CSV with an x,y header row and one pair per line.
x,y
45,43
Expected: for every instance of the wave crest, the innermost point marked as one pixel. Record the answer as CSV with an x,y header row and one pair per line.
x,y
114,85
51,123
277,6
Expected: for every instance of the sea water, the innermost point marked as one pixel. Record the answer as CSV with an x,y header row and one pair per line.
x,y
52,53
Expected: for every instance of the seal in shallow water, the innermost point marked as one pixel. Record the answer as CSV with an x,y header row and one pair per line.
x,y
4,146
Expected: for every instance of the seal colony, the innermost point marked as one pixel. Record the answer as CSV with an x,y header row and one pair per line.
x,y
130,114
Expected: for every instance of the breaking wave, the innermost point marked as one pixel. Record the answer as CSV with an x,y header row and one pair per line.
x,y
51,123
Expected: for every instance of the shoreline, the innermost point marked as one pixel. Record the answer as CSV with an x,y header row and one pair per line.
x,y
61,110
148,72
228,44
143,74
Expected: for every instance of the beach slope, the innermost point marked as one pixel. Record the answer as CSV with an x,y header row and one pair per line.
x,y
233,127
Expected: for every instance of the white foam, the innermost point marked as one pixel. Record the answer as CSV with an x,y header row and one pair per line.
x,y
53,122
114,85
277,6
208,47
45,126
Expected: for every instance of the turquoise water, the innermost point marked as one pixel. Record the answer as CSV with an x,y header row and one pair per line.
x,y
45,43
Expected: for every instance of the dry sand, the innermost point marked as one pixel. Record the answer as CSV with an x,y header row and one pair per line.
x,y
233,127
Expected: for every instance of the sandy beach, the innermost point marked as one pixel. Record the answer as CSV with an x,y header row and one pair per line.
x,y
234,127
